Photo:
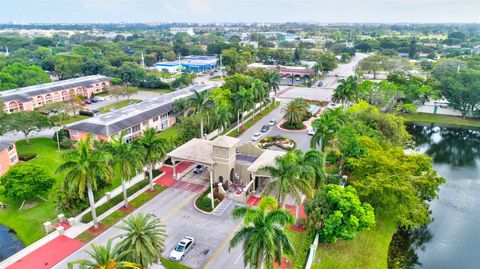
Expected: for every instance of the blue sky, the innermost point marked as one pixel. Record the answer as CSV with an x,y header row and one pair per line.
x,y
389,11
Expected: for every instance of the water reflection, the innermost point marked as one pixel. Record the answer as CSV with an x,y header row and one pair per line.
x,y
452,239
9,243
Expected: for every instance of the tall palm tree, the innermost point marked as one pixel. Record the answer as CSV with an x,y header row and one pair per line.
x,y
84,169
262,235
244,100
201,105
329,121
273,81
260,91
295,111
289,177
143,240
316,160
223,116
104,257
126,159
347,91
154,149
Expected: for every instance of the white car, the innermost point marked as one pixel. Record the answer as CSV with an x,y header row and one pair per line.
x,y
256,136
272,122
182,248
311,131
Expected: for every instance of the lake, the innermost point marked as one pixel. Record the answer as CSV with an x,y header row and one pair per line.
x,y
452,239
9,243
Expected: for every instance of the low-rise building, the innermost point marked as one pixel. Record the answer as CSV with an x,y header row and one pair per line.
x,y
191,64
155,113
8,156
29,98
300,71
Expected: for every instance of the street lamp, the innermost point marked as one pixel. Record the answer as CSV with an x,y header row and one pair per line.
x,y
238,121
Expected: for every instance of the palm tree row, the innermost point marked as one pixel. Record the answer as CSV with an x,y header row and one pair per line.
x,y
95,163
140,246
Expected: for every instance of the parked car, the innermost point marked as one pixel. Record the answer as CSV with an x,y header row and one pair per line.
x,y
94,100
198,169
182,248
320,84
87,102
311,131
256,136
96,112
297,79
272,122
264,128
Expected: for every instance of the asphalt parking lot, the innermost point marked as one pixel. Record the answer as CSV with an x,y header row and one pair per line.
x,y
209,232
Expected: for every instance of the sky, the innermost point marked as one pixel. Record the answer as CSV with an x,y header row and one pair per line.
x,y
321,11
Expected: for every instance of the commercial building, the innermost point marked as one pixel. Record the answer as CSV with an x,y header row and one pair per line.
x,y
299,71
29,98
8,156
191,64
133,119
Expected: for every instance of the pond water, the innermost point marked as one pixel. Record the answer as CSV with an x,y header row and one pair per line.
x,y
9,243
452,240
313,108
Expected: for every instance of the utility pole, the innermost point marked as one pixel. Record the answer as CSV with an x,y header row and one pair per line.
x,y
143,61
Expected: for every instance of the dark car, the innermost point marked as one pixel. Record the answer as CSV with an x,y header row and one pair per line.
x,y
94,100
199,169
265,128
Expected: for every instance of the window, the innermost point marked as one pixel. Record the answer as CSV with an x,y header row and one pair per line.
x,y
155,118
10,148
13,159
145,123
74,133
136,128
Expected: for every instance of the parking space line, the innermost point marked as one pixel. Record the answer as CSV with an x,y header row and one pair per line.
x,y
222,245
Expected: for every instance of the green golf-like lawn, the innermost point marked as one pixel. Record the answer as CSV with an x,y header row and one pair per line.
x,y
28,222
118,105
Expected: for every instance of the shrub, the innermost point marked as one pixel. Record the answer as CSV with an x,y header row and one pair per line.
x,y
301,254
24,157
204,203
116,81
86,113
116,200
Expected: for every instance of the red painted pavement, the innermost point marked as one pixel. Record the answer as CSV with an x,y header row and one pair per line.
x,y
167,179
65,225
49,254
293,210
253,201
187,186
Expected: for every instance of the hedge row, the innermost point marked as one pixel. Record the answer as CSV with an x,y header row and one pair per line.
x,y
85,113
115,200
205,203
301,254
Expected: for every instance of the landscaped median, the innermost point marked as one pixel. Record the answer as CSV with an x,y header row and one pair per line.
x,y
441,119
235,132
204,203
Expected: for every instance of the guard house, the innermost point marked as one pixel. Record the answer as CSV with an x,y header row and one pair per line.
x,y
235,169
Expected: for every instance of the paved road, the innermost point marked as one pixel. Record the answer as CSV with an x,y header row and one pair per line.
x,y
141,95
175,209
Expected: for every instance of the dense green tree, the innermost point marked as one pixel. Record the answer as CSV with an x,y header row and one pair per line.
x,y
85,169
143,239
325,126
347,91
69,66
25,182
27,122
244,100
202,105
273,80
337,213
131,73
294,113
462,90
18,75
262,235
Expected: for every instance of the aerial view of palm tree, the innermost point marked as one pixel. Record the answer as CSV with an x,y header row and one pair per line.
x,y
294,112
244,100
329,121
127,159
347,91
105,257
143,239
154,150
260,91
84,168
273,81
202,106
262,235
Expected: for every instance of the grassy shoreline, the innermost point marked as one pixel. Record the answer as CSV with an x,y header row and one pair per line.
x,y
441,119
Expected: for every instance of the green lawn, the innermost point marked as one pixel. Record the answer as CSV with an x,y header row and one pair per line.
x,y
169,133
441,119
369,249
74,119
118,105
28,223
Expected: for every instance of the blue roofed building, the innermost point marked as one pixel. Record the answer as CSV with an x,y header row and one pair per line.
x,y
191,64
